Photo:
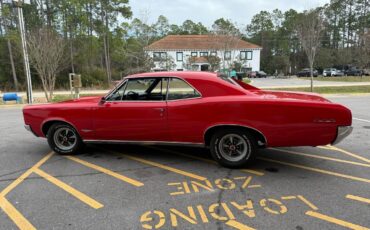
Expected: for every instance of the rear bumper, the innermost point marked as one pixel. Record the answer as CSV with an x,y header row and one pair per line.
x,y
343,132
28,128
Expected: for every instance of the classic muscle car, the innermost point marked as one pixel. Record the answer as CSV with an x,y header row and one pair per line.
x,y
230,117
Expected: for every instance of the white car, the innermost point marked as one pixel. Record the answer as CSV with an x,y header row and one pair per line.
x,y
329,72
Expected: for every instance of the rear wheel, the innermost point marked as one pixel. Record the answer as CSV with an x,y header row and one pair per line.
x,y
233,148
64,139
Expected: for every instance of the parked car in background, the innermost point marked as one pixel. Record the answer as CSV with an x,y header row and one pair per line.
x,y
329,72
230,117
366,72
353,72
339,73
257,74
307,73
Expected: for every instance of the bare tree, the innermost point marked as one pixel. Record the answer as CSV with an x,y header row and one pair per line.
x,y
309,31
46,50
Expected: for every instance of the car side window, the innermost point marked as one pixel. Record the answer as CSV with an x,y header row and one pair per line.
x,y
179,89
145,89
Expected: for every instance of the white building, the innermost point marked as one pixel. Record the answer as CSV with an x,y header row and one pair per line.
x,y
194,52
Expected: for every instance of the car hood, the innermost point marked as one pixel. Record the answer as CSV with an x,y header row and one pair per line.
x,y
94,99
284,95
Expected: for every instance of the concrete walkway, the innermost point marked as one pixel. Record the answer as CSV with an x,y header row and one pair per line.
x,y
297,83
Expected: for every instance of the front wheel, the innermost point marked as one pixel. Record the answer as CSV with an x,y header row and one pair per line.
x,y
64,139
233,148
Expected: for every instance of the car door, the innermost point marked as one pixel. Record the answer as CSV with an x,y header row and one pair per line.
x,y
135,111
186,111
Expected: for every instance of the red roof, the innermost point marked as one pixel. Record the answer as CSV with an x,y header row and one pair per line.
x,y
201,42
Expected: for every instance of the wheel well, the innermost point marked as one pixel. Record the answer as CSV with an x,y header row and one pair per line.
x,y
48,124
211,131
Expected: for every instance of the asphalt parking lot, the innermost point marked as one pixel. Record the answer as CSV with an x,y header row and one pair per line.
x,y
157,187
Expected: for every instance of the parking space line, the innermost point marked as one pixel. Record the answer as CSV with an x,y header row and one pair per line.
x,y
317,170
358,198
321,157
25,175
79,195
358,119
15,215
258,173
106,171
330,147
237,225
304,200
175,170
335,221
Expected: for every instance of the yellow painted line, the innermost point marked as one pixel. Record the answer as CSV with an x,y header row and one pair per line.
x,y
288,197
330,147
258,173
106,171
25,175
309,204
358,198
15,215
321,157
237,225
335,221
79,195
175,170
318,170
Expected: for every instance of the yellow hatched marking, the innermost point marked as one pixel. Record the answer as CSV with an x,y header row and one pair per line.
x,y
237,225
309,204
258,173
15,215
330,147
358,198
317,170
106,171
335,221
175,170
79,195
25,175
321,157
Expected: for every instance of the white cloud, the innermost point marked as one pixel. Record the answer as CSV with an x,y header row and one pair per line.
x,y
207,11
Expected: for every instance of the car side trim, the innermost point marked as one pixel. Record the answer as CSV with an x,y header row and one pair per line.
x,y
236,125
144,142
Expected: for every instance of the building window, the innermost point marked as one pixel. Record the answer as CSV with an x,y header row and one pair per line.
x,y
159,56
214,53
194,54
227,55
179,56
246,55
204,54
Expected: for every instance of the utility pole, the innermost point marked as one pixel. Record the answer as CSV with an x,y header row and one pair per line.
x,y
19,4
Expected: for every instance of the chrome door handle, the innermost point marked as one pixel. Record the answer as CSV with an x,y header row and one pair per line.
x,y
160,109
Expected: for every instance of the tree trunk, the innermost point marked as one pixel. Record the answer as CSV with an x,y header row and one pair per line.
x,y
311,74
103,15
13,67
71,49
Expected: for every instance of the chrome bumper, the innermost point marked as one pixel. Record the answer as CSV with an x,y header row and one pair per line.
x,y
28,128
343,132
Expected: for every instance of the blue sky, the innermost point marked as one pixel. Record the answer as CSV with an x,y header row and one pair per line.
x,y
207,11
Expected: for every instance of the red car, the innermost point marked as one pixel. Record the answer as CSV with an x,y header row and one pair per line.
x,y
230,117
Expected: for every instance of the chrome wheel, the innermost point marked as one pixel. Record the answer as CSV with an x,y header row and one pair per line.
x,y
65,138
233,147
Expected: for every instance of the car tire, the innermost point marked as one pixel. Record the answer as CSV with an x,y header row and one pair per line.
x,y
64,139
233,148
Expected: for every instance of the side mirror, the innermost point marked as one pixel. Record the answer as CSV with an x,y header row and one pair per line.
x,y
102,101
